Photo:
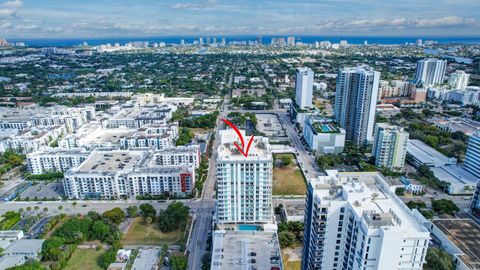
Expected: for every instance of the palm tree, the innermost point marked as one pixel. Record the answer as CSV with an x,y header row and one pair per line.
x,y
36,208
20,210
60,208
29,209
148,220
74,204
45,209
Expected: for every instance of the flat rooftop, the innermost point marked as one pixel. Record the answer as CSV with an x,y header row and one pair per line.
x,y
426,154
111,161
465,234
455,175
146,259
259,149
243,250
369,194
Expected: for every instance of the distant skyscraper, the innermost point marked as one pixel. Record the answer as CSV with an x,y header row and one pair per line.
x,y
472,158
182,42
224,42
3,42
304,87
343,43
353,221
208,41
459,80
291,41
390,146
355,102
200,41
244,184
430,71
214,40
259,40
278,42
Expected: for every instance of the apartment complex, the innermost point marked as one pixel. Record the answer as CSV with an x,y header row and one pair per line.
x,y
355,102
130,173
244,184
355,221
390,146
430,71
55,160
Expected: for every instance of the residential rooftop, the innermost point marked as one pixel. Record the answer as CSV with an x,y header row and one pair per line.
x,y
111,161
370,196
227,151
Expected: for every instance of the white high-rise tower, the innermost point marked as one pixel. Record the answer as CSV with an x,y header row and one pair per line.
x,y
355,221
430,71
459,80
244,184
304,87
355,102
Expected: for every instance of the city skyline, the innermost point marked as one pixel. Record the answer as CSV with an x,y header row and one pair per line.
x,y
51,19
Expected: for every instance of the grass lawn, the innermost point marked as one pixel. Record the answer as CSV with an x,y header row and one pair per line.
x,y
142,234
84,259
288,180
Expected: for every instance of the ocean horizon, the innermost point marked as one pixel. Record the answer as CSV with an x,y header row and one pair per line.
x,y
381,40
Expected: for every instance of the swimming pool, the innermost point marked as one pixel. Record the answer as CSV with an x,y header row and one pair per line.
x,y
246,227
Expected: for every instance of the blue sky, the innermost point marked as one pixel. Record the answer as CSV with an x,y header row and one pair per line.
x,y
136,18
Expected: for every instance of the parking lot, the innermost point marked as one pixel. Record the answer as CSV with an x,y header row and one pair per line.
x,y
270,125
43,190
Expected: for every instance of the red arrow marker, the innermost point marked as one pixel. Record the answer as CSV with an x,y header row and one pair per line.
x,y
241,149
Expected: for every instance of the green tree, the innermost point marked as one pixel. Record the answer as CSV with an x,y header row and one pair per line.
x,y
444,206
438,259
30,265
174,217
100,230
178,262
286,238
147,210
116,215
400,191
148,220
132,211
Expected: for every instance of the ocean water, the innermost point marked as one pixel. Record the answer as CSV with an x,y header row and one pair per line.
x,y
265,40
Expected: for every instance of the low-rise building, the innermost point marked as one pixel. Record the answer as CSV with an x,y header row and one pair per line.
x,y
29,139
324,136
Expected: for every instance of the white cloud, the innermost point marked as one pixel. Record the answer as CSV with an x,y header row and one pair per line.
x,y
10,8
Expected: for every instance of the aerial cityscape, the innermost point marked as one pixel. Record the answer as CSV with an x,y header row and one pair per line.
x,y
260,135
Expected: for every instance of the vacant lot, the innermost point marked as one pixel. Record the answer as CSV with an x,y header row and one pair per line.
x,y
291,258
84,259
288,180
142,234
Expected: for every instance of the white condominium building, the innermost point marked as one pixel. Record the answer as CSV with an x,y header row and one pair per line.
x,y
176,156
459,80
30,139
430,71
135,116
21,118
355,221
244,184
55,160
355,102
390,146
304,87
158,136
122,173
